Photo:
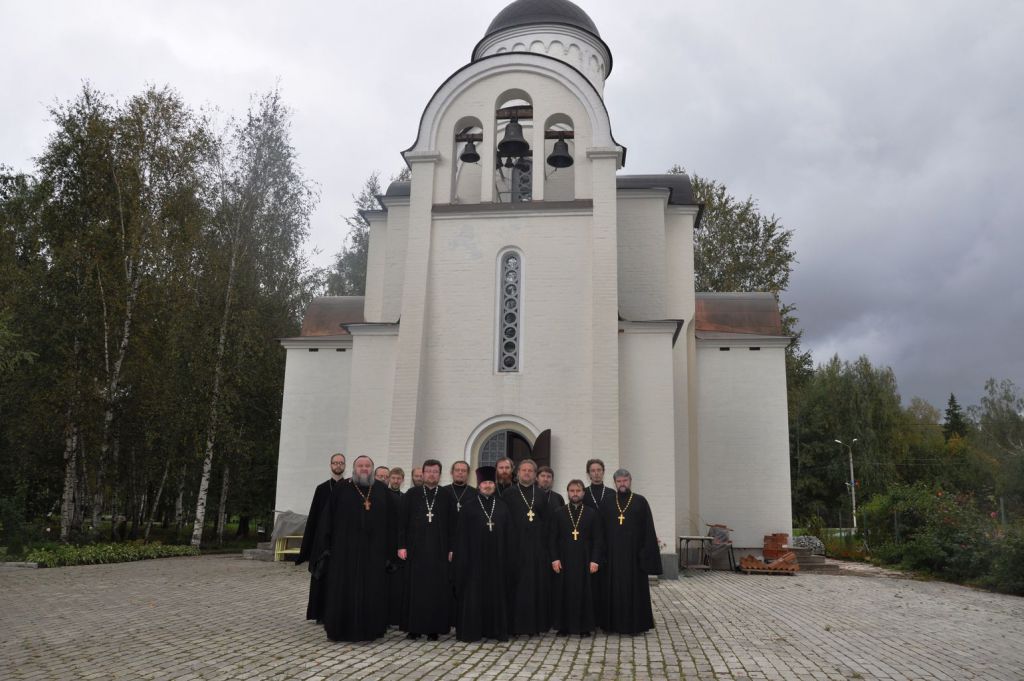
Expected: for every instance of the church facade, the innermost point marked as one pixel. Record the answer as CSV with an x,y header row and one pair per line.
x,y
525,297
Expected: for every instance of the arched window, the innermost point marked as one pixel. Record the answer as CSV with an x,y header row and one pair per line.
x,y
510,310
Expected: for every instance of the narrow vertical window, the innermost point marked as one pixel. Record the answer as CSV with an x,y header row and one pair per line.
x,y
511,288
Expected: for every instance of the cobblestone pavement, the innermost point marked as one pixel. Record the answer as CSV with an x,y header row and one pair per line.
x,y
220,617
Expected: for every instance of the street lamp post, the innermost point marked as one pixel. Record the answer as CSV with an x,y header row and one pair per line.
x,y
853,480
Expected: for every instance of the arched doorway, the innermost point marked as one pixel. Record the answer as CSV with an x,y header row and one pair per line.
x,y
504,443
509,436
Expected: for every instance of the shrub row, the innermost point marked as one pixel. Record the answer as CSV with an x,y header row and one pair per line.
x,y
91,554
947,535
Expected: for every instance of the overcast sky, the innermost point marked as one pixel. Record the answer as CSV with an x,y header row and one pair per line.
x,y
888,135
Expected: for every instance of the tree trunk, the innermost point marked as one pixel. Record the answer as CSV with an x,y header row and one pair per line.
x,y
82,507
67,509
97,500
179,505
211,434
156,500
222,517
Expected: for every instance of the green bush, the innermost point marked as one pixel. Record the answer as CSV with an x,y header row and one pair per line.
x,y
1007,574
104,553
942,533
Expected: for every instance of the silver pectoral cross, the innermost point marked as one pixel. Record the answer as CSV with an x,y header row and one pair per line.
x,y
490,526
430,517
458,505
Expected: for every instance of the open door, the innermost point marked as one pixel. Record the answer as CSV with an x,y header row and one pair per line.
x,y
542,449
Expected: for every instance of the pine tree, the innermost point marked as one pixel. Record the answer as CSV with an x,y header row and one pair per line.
x,y
956,422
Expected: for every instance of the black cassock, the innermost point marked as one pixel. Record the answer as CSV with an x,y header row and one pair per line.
x,y
359,545
529,565
461,495
309,550
481,561
631,554
555,500
572,597
427,539
398,575
593,495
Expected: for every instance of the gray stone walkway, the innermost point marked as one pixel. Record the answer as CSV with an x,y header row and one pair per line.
x,y
220,617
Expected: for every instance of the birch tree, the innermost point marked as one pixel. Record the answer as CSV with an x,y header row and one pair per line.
x,y
261,218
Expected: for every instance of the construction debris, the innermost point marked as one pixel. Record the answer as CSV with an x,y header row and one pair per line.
x,y
786,564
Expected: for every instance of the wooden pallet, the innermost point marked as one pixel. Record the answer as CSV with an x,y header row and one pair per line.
x,y
786,564
767,571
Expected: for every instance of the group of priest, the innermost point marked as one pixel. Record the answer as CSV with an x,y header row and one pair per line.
x,y
508,557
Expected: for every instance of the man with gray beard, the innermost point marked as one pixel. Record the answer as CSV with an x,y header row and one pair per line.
x,y
357,532
631,555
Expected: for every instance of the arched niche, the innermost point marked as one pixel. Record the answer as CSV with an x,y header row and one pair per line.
x,y
466,175
513,177
559,183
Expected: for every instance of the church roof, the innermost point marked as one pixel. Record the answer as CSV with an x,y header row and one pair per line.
x,y
544,12
530,12
725,315
679,186
325,315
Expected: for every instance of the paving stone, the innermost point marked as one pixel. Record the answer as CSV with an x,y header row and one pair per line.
x,y
221,617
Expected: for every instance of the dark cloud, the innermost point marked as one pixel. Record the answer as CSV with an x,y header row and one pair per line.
x,y
887,135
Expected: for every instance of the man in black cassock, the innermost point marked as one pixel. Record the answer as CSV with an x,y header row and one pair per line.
x,y
503,471
529,564
397,575
631,554
576,548
357,533
461,493
308,550
546,481
481,561
595,493
426,537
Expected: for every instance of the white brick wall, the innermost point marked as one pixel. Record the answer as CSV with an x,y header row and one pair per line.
x,y
646,431
743,435
314,419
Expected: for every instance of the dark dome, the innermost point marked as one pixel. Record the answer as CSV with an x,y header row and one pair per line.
x,y
529,12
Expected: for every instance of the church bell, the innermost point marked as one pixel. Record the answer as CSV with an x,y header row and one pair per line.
x,y
560,157
513,144
469,153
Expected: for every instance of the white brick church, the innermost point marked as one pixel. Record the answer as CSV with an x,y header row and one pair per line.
x,y
524,297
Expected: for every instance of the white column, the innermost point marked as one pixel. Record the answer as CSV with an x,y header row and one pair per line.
x,y
408,363
604,307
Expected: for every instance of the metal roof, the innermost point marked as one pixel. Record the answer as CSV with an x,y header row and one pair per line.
x,y
679,186
326,314
530,12
738,313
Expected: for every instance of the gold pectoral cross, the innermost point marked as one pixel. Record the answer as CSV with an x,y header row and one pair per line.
x,y
622,518
366,504
575,535
430,517
530,515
